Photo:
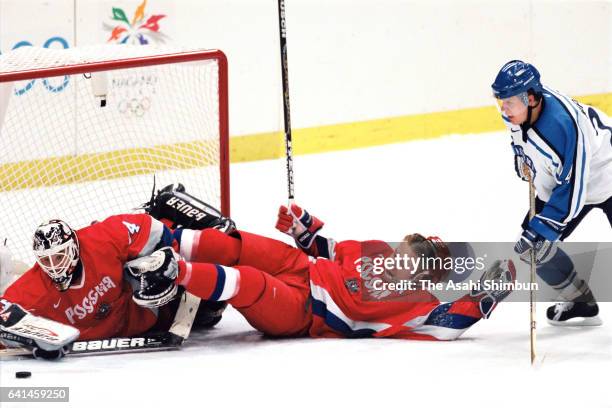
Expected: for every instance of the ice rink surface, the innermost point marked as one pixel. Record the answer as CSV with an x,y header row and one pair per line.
x,y
461,188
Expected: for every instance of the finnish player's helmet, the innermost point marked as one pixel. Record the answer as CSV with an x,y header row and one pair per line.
x,y
516,77
56,249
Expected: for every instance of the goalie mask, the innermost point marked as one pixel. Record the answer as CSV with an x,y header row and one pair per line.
x,y
56,249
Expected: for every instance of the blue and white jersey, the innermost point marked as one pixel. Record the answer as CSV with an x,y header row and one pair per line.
x,y
569,151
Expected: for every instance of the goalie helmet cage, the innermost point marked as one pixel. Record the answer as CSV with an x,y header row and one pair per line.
x,y
84,132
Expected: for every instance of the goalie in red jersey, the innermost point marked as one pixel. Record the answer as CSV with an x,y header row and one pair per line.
x,y
317,289
78,287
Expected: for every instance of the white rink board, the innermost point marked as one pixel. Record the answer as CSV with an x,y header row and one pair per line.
x,y
353,60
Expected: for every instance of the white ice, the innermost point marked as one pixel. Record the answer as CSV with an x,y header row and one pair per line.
x,y
460,188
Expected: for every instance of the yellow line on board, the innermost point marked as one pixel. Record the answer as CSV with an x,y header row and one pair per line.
x,y
105,166
399,129
129,162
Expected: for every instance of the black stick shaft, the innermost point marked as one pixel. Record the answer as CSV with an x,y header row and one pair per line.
x,y
282,25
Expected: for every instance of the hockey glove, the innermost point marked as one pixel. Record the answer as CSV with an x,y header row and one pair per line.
x,y
177,208
157,275
298,224
544,249
500,272
521,168
522,163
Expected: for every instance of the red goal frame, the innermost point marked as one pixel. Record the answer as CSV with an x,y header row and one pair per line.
x,y
161,59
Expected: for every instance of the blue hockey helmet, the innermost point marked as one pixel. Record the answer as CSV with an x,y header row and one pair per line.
x,y
516,77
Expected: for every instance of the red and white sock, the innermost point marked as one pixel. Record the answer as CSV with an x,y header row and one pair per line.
x,y
242,286
209,245
209,281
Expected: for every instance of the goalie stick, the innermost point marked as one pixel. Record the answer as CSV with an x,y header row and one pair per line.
x,y
170,340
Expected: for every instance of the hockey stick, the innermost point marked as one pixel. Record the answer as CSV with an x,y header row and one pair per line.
x,y
171,340
185,315
282,26
532,274
114,345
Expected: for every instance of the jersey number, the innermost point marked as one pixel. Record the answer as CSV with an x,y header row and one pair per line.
x,y
132,228
598,124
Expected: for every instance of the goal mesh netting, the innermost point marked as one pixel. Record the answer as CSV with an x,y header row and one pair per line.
x,y
63,155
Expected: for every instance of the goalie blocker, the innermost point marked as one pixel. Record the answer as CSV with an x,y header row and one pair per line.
x,y
179,209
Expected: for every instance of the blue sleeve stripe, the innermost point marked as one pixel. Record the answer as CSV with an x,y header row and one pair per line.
x,y
178,235
579,136
582,182
219,285
569,198
335,323
550,146
440,317
167,237
548,156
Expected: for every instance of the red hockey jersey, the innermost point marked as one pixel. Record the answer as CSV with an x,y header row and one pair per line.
x,y
344,306
99,303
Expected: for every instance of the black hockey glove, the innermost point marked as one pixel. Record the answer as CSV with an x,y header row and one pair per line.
x,y
173,203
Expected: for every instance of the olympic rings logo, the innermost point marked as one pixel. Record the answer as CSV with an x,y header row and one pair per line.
x,y
134,106
134,93
51,87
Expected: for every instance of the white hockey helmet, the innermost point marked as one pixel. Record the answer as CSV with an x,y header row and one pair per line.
x,y
56,248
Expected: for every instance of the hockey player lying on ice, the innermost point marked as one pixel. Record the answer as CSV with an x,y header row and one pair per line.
x,y
280,290
313,290
78,289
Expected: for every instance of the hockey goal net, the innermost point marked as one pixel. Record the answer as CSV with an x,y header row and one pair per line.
x,y
84,132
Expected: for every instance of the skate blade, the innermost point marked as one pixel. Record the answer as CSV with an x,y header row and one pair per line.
x,y
577,322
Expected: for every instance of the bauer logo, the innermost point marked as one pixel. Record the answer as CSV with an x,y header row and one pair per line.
x,y
185,208
143,28
110,344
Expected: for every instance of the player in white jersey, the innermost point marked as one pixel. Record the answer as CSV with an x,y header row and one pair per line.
x,y
567,148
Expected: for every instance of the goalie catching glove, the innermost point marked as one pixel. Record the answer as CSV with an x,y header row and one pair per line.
x,y
46,338
298,224
156,275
